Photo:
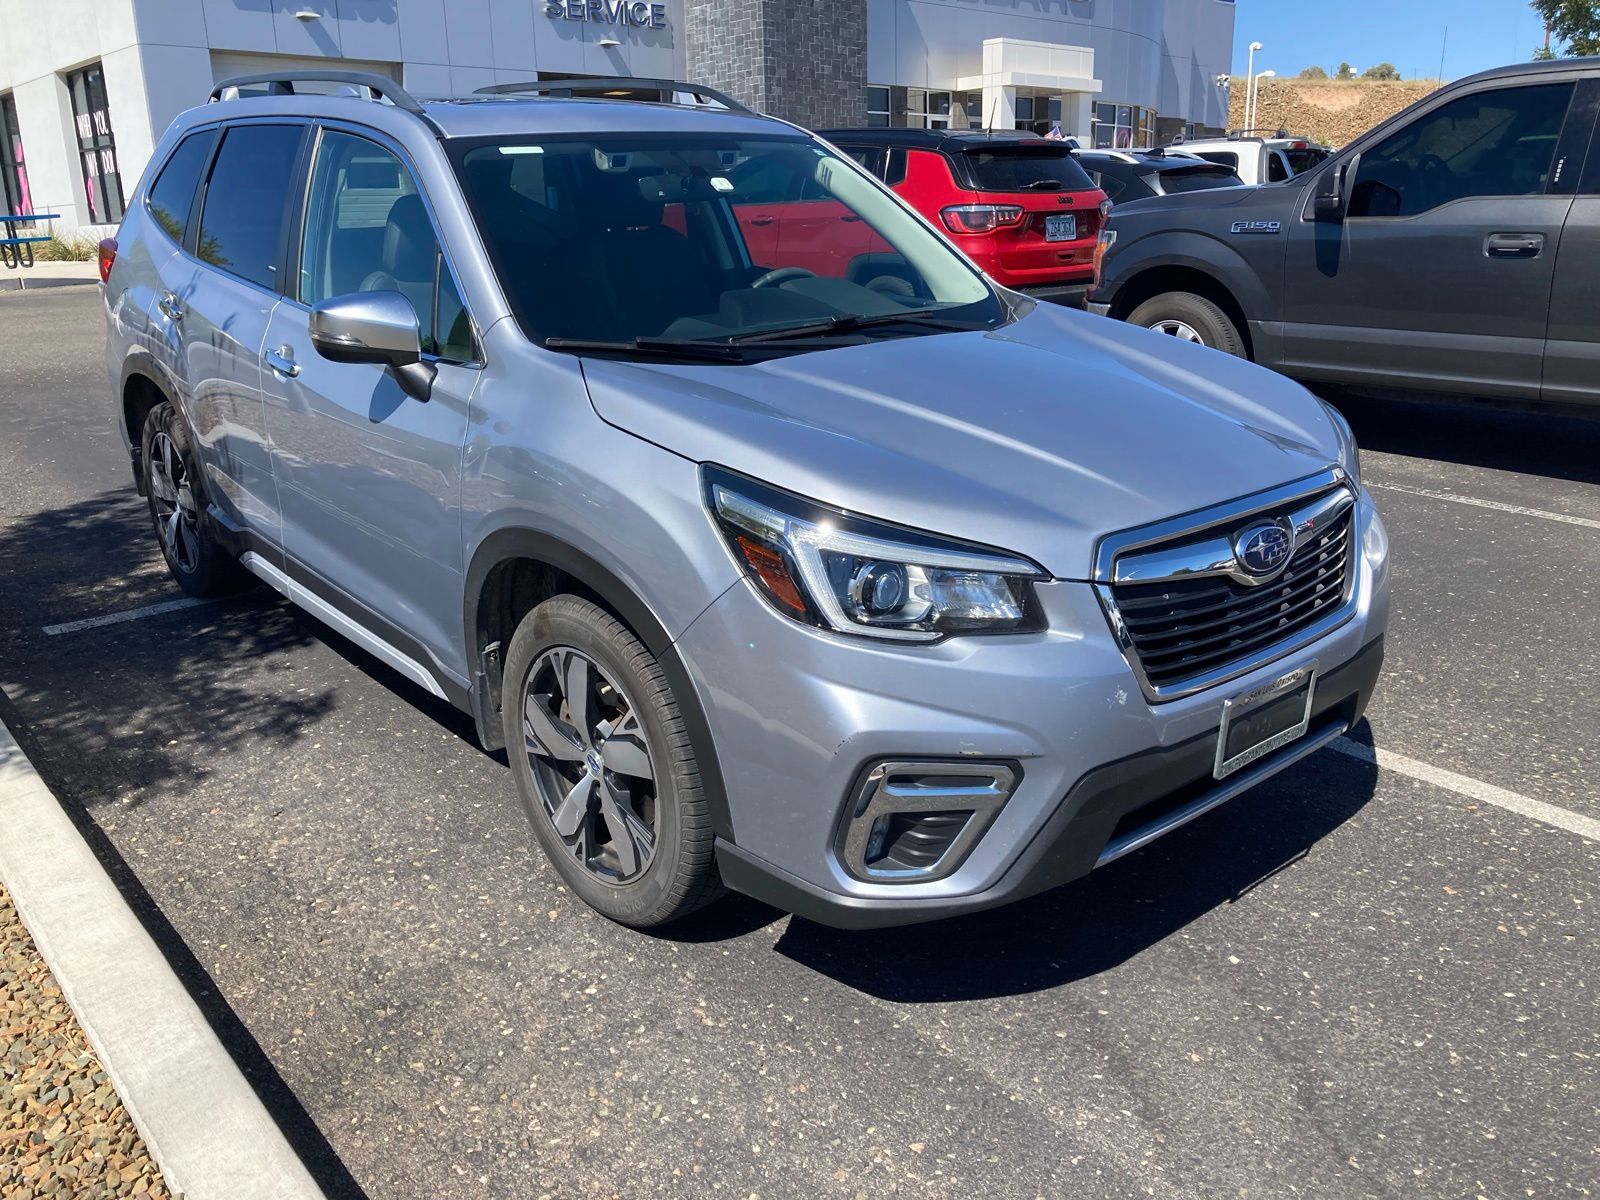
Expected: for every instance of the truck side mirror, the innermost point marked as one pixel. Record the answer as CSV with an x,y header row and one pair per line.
x,y
1332,201
1328,203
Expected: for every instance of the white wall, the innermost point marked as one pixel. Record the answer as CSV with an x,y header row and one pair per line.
x,y
158,61
1152,53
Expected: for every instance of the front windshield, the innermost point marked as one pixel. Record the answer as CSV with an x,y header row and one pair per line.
x,y
705,237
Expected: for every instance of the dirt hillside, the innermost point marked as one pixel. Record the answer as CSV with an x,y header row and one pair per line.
x,y
1325,110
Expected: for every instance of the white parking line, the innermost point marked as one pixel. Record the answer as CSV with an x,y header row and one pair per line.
x,y
1473,789
132,614
1518,509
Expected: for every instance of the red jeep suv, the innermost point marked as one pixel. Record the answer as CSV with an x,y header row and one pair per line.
x,y
1020,206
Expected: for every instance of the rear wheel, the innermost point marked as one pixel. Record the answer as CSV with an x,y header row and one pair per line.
x,y
1190,318
604,767
197,559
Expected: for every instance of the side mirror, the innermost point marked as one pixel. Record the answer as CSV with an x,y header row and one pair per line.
x,y
1328,203
374,327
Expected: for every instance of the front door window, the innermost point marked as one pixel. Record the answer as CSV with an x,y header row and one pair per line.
x,y
1495,143
368,230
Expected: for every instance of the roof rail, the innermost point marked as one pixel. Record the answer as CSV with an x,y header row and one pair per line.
x,y
281,83
613,84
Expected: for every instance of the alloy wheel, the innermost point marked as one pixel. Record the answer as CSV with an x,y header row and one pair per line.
x,y
1181,330
176,514
591,764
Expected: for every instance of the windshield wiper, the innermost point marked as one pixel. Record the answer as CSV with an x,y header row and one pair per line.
x,y
1039,185
662,347
850,322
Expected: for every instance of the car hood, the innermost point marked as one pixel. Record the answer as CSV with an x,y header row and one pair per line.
x,y
1037,438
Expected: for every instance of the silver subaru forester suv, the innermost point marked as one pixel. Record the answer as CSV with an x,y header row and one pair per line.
x,y
779,548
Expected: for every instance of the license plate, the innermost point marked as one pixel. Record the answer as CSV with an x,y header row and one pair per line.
x,y
1265,719
1061,227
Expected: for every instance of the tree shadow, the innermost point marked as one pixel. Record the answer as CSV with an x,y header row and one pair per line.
x,y
1559,444
114,714
149,707
1098,922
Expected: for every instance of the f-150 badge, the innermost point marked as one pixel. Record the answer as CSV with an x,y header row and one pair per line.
x,y
1257,226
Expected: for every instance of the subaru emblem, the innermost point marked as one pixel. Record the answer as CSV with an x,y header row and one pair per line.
x,y
1263,550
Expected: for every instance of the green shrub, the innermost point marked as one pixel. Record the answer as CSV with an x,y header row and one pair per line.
x,y
69,247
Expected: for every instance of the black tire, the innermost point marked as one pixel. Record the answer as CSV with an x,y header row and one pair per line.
x,y
200,563
1171,312
681,874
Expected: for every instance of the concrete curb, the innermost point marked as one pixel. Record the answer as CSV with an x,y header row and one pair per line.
x,y
202,1122
20,284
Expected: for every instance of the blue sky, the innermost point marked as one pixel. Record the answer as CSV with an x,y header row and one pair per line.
x,y
1408,33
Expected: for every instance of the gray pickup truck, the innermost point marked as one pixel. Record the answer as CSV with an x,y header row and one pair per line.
x,y
1455,247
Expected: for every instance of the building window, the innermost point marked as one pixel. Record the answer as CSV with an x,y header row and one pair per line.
x,y
878,106
97,150
1123,126
14,195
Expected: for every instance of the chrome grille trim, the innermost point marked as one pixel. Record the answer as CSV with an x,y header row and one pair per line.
x,y
1146,555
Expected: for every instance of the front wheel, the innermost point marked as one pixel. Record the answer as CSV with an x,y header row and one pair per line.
x,y
1190,318
604,767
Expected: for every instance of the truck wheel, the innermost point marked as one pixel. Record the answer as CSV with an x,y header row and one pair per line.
x,y
175,488
604,767
1190,318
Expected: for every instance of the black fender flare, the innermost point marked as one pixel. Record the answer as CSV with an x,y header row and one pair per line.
x,y
141,363
1196,252
504,545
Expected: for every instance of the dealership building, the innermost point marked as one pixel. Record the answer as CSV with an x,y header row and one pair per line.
x,y
87,90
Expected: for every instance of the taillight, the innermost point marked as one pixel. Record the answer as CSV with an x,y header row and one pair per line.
x,y
1107,239
980,218
1105,209
108,257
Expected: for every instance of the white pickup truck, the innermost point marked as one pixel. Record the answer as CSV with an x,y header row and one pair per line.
x,y
1257,159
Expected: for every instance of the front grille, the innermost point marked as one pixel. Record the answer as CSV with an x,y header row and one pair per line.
x,y
1181,628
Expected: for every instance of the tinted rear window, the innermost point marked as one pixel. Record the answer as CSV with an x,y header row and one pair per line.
x,y
1197,179
172,194
242,219
1046,167
1303,160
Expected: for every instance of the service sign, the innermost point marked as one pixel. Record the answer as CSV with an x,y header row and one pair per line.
x,y
637,14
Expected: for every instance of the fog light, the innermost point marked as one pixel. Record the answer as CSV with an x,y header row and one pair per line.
x,y
911,822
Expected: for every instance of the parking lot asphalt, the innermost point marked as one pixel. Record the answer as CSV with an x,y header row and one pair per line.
x,y
1353,981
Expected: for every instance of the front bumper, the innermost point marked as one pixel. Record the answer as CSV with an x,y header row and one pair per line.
x,y
796,715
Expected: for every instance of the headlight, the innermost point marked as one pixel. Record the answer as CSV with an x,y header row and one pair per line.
x,y
828,568
1349,453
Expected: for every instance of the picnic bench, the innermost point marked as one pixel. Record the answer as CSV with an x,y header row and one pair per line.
x,y
16,250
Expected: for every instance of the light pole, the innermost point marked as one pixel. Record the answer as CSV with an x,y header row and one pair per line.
x,y
1255,97
1250,81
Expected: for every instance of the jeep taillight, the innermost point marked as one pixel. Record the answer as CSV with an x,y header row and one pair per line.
x,y
980,218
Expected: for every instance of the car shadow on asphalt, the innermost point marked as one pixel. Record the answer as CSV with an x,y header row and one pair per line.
x,y
1098,922
1552,443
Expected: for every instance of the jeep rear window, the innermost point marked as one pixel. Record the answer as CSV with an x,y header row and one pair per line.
x,y
1045,167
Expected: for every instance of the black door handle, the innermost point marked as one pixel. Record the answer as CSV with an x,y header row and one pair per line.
x,y
1513,245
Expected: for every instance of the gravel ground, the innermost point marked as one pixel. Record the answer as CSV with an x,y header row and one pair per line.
x,y
63,1131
